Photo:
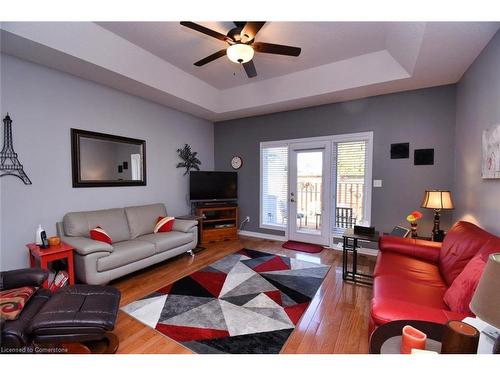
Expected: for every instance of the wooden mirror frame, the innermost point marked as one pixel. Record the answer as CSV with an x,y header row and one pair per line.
x,y
76,134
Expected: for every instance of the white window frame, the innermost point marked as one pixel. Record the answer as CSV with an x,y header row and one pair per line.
x,y
366,136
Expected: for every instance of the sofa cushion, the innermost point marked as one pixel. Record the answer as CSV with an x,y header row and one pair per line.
x,y
113,221
385,310
142,219
461,243
77,311
124,253
389,263
460,293
167,240
406,290
398,298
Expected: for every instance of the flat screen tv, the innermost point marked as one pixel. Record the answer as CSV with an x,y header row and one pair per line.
x,y
213,186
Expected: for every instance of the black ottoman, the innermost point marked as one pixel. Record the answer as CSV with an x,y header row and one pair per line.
x,y
77,314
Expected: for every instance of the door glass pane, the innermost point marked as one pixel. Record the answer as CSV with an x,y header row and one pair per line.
x,y
274,191
350,200
309,189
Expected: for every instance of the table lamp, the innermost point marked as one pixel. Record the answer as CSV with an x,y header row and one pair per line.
x,y
437,200
486,300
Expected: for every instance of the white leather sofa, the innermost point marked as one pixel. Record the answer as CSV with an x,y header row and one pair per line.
x,y
134,247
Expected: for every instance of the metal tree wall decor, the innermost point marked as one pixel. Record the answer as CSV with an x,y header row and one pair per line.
x,y
9,163
190,161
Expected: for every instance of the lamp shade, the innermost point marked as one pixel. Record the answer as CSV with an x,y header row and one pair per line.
x,y
240,53
437,199
486,300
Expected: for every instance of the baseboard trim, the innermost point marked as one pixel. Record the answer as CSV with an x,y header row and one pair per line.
x,y
274,237
265,236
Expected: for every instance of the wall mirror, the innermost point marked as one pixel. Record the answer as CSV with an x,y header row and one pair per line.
x,y
107,160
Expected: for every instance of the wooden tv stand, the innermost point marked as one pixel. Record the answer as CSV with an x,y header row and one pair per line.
x,y
218,223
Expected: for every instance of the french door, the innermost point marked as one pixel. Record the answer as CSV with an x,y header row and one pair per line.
x,y
309,192
315,188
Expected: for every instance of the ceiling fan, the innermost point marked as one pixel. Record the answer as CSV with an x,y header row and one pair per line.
x,y
242,45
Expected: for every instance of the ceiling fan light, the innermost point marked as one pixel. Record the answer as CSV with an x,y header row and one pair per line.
x,y
240,53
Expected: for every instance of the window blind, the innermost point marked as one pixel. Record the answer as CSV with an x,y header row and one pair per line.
x,y
350,168
274,188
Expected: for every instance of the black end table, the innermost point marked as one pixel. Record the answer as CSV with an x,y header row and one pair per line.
x,y
351,244
386,339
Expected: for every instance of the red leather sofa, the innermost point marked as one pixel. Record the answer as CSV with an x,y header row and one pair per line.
x,y
424,280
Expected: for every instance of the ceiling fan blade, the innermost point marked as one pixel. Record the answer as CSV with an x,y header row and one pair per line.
x,y
250,69
204,30
212,57
277,49
252,28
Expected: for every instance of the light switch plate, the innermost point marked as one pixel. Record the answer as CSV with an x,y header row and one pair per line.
x,y
377,183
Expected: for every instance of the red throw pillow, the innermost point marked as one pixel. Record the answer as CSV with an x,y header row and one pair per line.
x,y
99,234
164,224
12,301
459,294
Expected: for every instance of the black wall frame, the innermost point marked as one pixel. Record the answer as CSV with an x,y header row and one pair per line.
x,y
400,150
424,156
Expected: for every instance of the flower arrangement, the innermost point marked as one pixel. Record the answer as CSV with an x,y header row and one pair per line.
x,y
413,219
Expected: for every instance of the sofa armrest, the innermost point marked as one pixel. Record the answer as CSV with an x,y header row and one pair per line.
x,y
184,225
22,277
426,250
85,246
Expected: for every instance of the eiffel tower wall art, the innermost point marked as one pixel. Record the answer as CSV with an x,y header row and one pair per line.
x,y
9,163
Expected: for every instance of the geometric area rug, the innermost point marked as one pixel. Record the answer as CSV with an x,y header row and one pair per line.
x,y
246,302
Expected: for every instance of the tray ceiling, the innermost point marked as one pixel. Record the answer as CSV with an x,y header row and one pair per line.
x,y
339,60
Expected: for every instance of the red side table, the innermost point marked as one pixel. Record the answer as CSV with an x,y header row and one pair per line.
x,y
44,256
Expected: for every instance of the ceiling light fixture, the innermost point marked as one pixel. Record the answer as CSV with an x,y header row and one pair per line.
x,y
240,53
242,45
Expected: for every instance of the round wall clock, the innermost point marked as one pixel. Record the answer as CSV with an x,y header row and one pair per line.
x,y
236,162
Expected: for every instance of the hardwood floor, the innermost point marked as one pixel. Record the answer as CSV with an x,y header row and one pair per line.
x,y
335,322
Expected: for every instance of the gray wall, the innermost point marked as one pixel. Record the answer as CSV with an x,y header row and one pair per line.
x,y
44,104
478,108
425,118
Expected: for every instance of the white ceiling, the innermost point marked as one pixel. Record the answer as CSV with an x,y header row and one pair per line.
x,y
339,60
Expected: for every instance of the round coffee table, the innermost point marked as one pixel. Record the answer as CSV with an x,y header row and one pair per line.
x,y
386,339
